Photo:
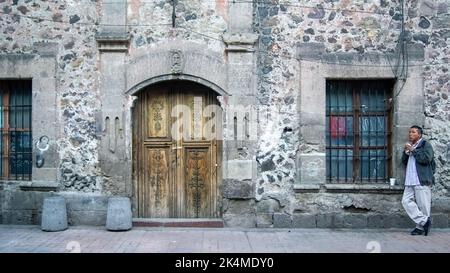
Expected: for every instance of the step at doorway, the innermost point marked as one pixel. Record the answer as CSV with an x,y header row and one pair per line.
x,y
179,222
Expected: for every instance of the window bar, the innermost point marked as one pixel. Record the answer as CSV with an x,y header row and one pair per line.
x,y
338,156
330,173
374,121
386,128
368,132
365,131
339,137
374,139
327,103
22,137
355,133
363,116
341,143
334,109
17,139
383,133
13,134
331,150
379,128
373,125
2,89
332,157
333,105
6,134
350,110
380,131
332,93
383,158
357,118
30,136
18,133
23,148
389,109
25,156
345,133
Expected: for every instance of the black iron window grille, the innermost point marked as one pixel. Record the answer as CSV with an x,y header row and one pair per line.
x,y
358,135
15,123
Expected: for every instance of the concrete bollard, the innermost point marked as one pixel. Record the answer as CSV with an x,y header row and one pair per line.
x,y
54,214
118,217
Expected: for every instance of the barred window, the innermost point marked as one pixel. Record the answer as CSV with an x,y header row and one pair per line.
x,y
15,122
358,135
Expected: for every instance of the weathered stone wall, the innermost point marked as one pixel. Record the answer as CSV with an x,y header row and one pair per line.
x,y
338,32
65,30
62,32
202,22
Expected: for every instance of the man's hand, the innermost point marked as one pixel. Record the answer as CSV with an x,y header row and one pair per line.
x,y
408,148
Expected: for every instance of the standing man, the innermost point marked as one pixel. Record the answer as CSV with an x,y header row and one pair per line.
x,y
418,157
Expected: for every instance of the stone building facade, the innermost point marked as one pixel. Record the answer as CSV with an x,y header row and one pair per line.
x,y
92,63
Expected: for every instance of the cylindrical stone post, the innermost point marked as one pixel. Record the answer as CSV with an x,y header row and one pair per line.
x,y
118,217
54,214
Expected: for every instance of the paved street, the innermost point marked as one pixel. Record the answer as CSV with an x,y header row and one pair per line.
x,y
96,239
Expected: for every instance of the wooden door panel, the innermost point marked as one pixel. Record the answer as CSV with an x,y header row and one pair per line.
x,y
158,107
156,187
197,101
197,182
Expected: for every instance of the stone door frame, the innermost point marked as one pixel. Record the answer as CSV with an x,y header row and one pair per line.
x,y
180,60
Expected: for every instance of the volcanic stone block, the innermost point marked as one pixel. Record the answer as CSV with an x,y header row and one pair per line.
x,y
118,217
54,214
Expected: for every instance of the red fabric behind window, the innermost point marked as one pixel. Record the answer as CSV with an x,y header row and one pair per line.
x,y
337,126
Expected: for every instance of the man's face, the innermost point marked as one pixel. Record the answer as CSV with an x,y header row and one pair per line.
x,y
414,135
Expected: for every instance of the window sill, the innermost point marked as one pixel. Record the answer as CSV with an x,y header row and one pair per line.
x,y
39,186
352,188
364,188
306,187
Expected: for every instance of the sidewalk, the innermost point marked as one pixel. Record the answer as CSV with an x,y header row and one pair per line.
x,y
96,239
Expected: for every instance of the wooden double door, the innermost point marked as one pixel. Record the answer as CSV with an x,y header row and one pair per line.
x,y
177,151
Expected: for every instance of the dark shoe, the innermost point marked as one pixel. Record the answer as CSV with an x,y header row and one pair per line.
x,y
417,231
427,226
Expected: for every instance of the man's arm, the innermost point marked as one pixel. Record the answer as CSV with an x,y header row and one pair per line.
x,y
405,158
424,155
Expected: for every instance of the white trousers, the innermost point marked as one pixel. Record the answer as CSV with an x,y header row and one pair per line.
x,y
417,203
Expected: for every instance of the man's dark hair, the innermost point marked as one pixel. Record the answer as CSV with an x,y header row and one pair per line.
x,y
418,129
